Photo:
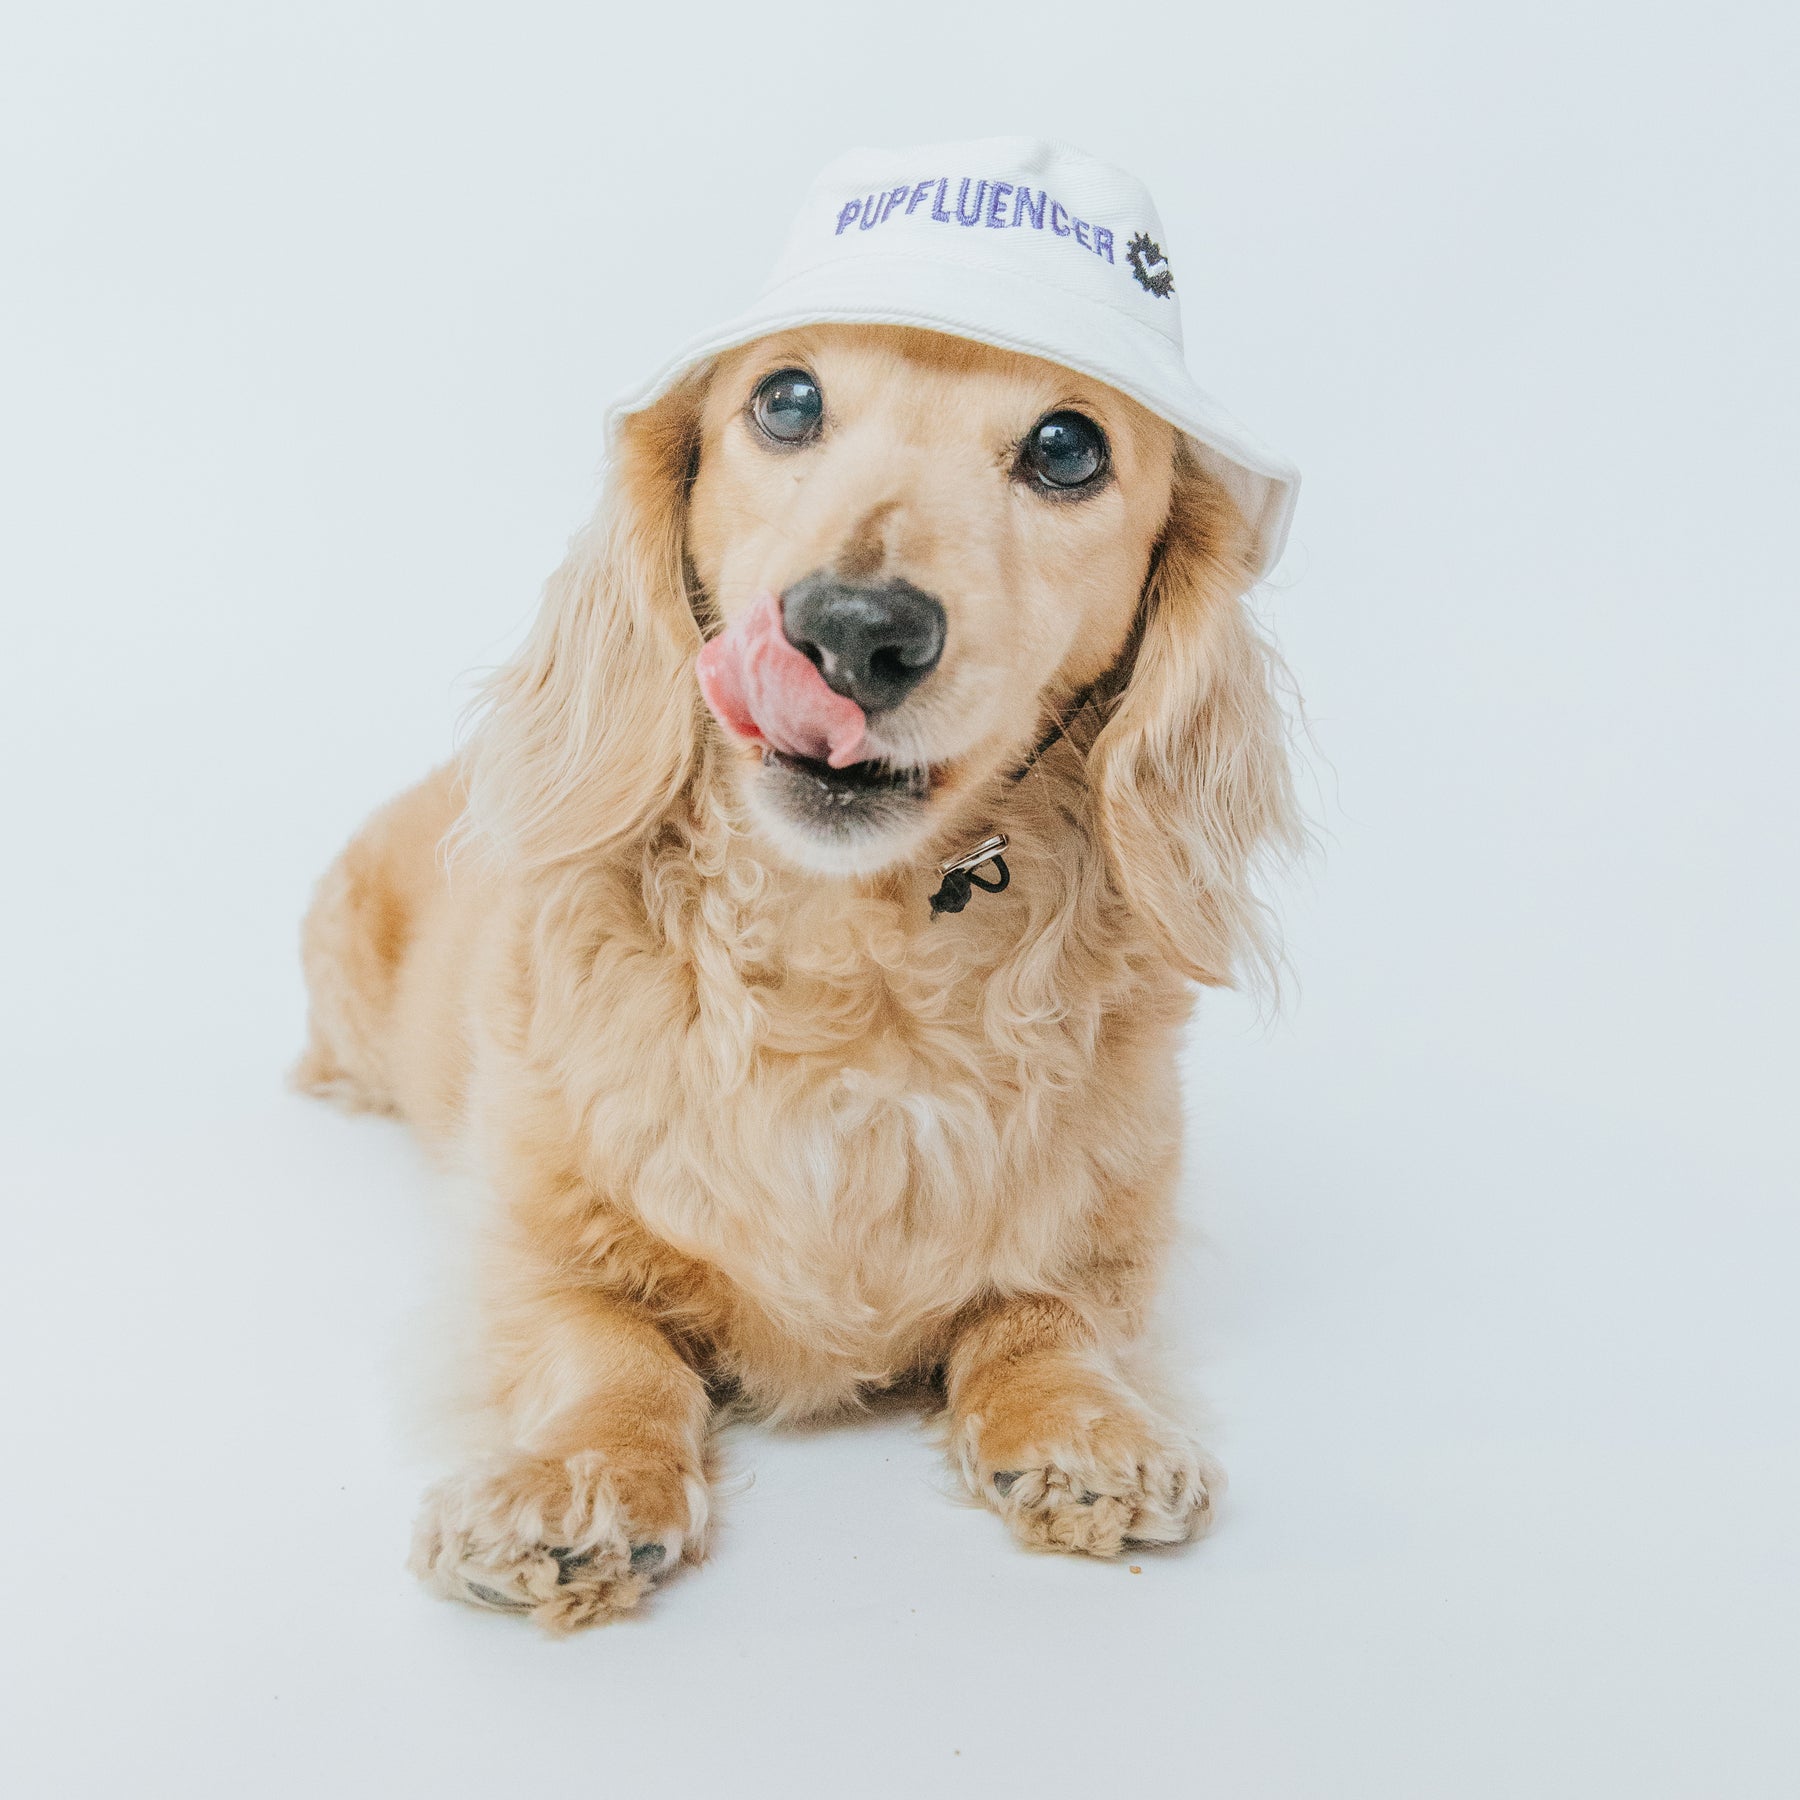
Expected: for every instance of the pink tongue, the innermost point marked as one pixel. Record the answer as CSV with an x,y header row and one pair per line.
x,y
762,688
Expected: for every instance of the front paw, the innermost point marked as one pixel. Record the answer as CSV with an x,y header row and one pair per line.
x,y
557,1539
1090,1478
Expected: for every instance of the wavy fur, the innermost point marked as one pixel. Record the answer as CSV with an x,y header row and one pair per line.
x,y
754,1131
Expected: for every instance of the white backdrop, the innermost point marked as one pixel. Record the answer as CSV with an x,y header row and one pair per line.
x,y
309,315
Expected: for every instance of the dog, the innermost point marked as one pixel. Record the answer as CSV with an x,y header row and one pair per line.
x,y
656,956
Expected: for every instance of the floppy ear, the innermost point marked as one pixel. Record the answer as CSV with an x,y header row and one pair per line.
x,y
1191,772
588,735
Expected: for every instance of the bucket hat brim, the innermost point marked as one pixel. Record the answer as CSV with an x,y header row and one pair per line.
x,y
1011,312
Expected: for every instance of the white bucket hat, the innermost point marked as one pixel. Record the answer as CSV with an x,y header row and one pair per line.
x,y
1023,243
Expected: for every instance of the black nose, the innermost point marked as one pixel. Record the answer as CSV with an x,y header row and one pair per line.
x,y
874,643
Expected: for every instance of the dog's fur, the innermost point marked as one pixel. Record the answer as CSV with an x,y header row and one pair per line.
x,y
756,1124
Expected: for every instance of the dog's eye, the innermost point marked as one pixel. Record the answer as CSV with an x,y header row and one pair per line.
x,y
1065,450
788,406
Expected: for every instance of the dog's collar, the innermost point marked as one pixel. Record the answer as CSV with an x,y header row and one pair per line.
x,y
957,877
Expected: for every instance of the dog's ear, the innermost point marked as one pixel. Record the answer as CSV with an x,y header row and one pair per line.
x,y
589,734
1191,773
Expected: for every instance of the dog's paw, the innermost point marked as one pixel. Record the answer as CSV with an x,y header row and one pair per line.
x,y
568,1542
1093,1481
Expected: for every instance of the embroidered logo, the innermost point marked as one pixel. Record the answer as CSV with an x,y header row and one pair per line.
x,y
1144,253
975,202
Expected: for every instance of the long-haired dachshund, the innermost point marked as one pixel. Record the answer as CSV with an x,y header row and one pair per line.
x,y
773,1112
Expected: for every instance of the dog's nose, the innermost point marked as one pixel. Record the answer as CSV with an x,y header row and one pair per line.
x,y
873,642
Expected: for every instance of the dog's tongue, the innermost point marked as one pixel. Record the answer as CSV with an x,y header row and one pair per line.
x,y
762,688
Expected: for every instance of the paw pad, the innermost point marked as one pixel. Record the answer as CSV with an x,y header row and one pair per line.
x,y
494,1599
568,1562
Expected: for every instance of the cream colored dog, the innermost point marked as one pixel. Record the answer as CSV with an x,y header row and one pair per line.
x,y
758,1125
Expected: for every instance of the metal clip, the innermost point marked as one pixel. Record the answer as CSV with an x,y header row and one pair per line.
x,y
960,880
985,851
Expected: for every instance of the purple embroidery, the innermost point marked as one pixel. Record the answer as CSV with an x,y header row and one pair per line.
x,y
962,193
1022,205
988,206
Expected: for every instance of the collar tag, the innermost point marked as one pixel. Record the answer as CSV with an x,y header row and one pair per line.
x,y
959,879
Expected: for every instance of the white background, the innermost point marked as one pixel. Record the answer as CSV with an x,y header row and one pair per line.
x,y
308,318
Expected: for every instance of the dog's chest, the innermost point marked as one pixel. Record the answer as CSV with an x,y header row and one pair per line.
x,y
863,1171
857,1168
